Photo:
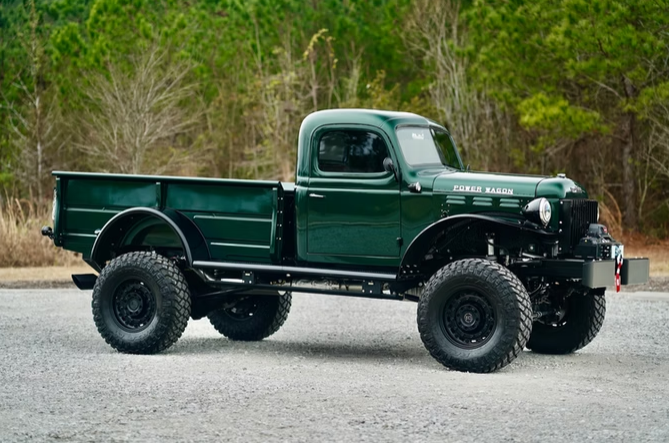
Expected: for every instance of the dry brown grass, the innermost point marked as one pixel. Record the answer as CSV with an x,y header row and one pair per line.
x,y
22,243
658,253
636,245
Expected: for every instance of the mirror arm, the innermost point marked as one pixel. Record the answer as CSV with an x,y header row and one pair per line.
x,y
396,173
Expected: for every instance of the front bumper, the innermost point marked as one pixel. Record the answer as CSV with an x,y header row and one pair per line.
x,y
635,271
593,273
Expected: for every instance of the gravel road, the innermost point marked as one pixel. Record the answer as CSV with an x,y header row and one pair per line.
x,y
339,370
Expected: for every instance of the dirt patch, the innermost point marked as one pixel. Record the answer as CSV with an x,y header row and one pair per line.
x,y
655,284
40,277
37,284
42,273
60,276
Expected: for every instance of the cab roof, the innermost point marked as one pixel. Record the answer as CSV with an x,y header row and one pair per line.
x,y
388,120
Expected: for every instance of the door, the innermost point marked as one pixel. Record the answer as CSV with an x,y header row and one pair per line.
x,y
353,214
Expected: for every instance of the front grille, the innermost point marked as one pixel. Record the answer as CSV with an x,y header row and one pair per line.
x,y
575,217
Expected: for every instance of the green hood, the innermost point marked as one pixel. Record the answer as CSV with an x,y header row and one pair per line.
x,y
507,185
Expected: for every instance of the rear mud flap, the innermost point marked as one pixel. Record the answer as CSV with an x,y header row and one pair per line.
x,y
84,281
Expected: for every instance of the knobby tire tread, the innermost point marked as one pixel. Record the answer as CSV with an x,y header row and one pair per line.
x,y
579,333
273,318
514,296
176,302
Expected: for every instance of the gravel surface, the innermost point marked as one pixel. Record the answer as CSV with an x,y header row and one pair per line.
x,y
339,370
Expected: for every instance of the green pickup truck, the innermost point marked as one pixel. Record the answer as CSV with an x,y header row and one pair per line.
x,y
382,207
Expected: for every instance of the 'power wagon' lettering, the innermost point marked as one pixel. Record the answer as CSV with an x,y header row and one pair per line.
x,y
505,191
463,188
479,190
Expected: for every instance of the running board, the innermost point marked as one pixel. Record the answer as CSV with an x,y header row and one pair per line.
x,y
294,270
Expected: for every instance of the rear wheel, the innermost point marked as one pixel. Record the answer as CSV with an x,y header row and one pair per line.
x,y
253,317
576,325
141,303
474,315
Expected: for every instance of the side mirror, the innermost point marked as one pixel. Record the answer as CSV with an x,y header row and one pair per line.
x,y
388,166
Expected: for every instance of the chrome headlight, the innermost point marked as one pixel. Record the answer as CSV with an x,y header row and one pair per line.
x,y
539,211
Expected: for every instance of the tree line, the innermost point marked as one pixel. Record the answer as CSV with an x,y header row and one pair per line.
x,y
219,87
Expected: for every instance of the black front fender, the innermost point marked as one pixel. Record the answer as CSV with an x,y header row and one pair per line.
x,y
416,251
114,231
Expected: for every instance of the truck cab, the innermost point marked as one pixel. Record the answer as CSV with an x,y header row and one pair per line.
x,y
364,184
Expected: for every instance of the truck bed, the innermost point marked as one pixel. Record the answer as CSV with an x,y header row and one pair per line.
x,y
241,220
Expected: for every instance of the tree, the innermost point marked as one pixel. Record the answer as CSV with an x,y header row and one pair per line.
x,y
31,114
575,69
132,119
438,39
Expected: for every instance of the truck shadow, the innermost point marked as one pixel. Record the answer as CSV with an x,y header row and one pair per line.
x,y
405,352
368,352
409,352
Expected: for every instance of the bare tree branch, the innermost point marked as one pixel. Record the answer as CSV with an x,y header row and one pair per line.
x,y
132,118
436,35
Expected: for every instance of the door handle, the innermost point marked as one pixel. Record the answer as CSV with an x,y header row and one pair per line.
x,y
316,195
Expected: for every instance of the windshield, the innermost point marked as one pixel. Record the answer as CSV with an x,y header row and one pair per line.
x,y
425,146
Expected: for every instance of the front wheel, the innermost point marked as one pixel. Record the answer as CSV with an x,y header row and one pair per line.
x,y
576,326
474,316
141,303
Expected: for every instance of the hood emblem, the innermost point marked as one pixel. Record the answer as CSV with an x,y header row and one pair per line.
x,y
483,189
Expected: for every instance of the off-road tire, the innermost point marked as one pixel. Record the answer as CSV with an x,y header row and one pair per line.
x,y
583,319
156,276
270,313
510,305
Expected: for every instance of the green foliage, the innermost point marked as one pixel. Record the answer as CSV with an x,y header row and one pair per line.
x,y
581,74
555,118
527,86
593,54
651,97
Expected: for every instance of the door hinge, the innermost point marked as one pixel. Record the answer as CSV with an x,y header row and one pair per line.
x,y
400,242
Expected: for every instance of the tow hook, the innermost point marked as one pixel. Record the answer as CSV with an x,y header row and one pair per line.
x,y
47,232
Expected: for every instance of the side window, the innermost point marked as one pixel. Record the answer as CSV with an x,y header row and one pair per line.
x,y
351,151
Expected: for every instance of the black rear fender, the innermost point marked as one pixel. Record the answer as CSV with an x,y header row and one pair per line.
x,y
142,228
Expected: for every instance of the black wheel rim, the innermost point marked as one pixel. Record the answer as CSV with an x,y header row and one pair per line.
x,y
134,305
468,319
244,309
